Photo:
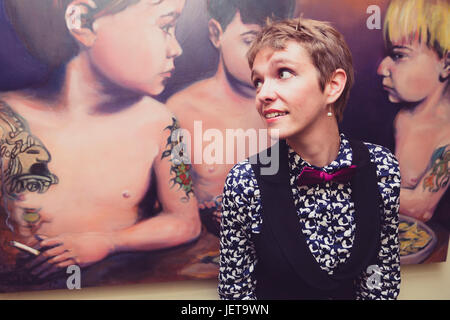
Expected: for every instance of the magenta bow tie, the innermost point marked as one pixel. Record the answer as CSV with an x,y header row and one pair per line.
x,y
310,176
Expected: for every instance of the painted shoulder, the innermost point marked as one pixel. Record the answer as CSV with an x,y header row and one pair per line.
x,y
192,97
24,156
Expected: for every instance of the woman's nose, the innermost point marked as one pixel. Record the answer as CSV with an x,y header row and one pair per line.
x,y
266,94
384,67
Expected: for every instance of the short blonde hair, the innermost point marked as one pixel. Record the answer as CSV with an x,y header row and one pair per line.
x,y
325,45
427,21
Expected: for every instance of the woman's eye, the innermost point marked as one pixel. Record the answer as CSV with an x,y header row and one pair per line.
x,y
285,74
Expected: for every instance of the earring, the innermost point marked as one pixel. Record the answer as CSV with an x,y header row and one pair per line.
x,y
330,114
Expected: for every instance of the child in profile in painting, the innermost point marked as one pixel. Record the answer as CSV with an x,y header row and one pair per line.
x,y
80,151
415,74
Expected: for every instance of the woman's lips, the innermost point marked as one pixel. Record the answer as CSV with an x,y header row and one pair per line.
x,y
280,114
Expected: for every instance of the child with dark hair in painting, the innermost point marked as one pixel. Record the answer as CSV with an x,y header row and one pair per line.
x,y
226,100
415,73
80,152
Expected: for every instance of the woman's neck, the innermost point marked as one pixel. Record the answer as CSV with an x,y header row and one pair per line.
x,y
318,147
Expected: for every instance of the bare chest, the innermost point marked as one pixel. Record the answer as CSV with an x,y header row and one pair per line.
x,y
415,144
83,166
219,142
107,159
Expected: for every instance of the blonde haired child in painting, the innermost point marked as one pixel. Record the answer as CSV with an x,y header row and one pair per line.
x,y
415,74
83,149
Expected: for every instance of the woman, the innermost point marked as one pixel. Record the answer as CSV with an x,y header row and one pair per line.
x,y
92,135
325,226
415,74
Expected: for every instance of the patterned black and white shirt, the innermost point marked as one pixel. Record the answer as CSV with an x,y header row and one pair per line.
x,y
326,218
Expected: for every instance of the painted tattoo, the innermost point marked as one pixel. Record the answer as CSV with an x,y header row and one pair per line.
x,y
24,158
175,149
440,171
210,214
31,215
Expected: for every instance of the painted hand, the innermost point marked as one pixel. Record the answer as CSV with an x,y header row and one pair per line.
x,y
422,216
82,249
212,208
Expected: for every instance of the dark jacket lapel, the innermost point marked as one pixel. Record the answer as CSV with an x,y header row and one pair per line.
x,y
280,214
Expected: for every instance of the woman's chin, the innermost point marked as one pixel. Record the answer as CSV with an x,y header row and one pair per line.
x,y
277,134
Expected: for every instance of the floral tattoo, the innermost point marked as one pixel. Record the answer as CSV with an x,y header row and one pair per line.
x,y
440,171
175,149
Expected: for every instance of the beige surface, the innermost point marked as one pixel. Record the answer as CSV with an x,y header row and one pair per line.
x,y
431,281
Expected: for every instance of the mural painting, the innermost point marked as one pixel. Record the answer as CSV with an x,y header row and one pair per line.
x,y
93,94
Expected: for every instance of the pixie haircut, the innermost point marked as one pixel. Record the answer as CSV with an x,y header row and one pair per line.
x,y
425,21
252,11
325,45
41,26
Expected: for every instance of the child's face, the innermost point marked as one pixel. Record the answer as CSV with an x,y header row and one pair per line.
x,y
410,72
234,44
136,47
287,83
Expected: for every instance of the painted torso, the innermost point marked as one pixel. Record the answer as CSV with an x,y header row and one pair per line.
x,y
98,166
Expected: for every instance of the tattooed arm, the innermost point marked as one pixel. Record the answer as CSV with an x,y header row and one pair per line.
x,y
421,201
179,220
178,223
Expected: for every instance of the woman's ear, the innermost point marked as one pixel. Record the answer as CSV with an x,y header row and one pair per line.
x,y
335,86
445,72
215,32
78,23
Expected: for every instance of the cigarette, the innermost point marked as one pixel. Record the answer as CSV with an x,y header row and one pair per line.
x,y
24,247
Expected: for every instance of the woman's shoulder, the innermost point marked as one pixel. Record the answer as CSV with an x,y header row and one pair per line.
x,y
241,195
378,150
241,172
241,182
383,158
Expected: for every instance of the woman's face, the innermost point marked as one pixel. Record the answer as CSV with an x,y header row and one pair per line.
x,y
135,48
410,72
288,94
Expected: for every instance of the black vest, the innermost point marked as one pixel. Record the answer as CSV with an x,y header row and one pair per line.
x,y
286,268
